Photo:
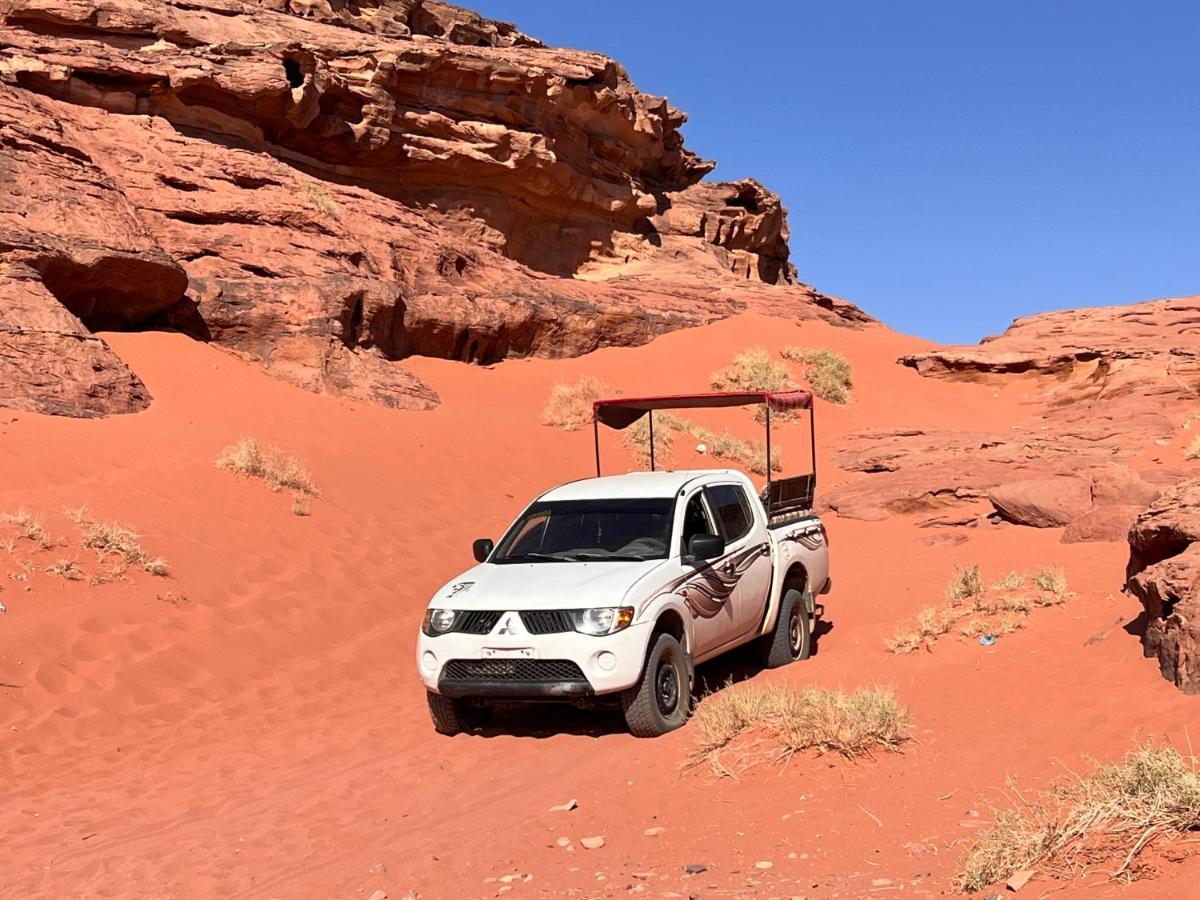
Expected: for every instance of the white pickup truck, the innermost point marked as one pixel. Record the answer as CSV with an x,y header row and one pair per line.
x,y
614,588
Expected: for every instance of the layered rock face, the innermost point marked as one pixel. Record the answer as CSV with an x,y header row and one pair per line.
x,y
1164,573
1104,385
330,187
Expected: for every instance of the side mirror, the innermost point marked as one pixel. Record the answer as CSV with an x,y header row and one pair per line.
x,y
482,548
705,546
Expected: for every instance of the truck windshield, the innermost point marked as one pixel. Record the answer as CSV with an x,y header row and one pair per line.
x,y
585,530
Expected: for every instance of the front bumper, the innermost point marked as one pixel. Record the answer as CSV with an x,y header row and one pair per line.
x,y
550,666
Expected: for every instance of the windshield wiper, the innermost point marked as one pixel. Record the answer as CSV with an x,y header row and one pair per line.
x,y
532,557
621,557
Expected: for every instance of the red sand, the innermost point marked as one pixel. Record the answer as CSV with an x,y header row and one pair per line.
x,y
267,736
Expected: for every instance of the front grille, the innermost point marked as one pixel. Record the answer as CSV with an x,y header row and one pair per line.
x,y
512,670
476,621
552,621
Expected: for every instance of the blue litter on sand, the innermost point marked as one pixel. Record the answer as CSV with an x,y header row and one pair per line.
x,y
987,639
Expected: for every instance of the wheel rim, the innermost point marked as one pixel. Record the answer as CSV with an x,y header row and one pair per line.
x,y
794,635
666,692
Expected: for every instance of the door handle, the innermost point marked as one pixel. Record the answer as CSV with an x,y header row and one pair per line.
x,y
728,568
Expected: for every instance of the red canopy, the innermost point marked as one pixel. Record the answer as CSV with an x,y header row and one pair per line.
x,y
624,411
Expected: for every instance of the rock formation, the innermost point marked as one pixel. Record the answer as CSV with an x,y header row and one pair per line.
x,y
1104,385
328,188
1164,573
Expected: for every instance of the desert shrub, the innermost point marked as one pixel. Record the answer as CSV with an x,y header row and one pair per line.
x,y
320,198
827,372
749,455
790,720
637,438
278,469
569,406
111,539
1016,603
905,639
965,584
1051,582
1107,816
973,628
754,370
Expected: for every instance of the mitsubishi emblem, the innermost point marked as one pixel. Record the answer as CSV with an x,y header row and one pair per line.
x,y
508,625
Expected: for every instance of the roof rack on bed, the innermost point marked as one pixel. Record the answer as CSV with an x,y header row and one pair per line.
x,y
784,498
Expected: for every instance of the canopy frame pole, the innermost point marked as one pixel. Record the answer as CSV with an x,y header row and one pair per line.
x,y
768,408
596,435
650,412
812,440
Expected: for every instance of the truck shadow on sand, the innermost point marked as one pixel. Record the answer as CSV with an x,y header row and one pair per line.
x,y
544,720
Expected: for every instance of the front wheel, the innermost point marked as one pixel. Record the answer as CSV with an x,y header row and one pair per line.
x,y
791,639
662,698
452,716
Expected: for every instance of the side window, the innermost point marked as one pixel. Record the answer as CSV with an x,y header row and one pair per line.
x,y
729,504
695,521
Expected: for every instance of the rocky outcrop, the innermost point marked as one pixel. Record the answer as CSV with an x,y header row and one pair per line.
x,y
66,258
330,188
1103,385
1164,574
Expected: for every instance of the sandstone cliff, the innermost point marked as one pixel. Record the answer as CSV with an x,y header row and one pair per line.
x,y
328,188
1104,386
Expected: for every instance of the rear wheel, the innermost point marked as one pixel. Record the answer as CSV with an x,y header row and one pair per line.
x,y
791,639
662,698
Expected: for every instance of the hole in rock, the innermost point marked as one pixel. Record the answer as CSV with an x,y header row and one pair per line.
x,y
295,75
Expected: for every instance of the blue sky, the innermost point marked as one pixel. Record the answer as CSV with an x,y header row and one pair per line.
x,y
947,165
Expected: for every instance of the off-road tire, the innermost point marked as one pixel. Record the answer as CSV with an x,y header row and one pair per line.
x,y
791,639
449,714
662,698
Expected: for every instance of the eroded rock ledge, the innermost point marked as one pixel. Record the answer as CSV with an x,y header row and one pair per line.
x,y
1103,385
1164,574
330,188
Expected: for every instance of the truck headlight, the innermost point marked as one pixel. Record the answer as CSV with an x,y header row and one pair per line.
x,y
601,620
438,621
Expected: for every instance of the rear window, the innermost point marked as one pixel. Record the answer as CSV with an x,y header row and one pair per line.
x,y
728,502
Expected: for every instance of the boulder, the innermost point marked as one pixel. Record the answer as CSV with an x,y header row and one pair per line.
x,y
1101,523
1042,502
1164,574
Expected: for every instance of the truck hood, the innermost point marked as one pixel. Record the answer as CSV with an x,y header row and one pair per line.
x,y
569,585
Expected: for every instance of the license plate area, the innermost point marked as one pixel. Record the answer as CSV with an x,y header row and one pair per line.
x,y
509,653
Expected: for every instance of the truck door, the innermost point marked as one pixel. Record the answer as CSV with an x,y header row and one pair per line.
x,y
700,582
747,559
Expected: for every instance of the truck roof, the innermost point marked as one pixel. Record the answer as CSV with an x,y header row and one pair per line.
x,y
634,484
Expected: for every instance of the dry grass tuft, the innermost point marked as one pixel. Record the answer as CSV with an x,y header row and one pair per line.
x,y
29,527
792,720
111,539
999,608
828,373
1013,581
754,370
66,568
1106,817
966,584
1192,450
318,195
749,455
300,509
666,427
570,405
1052,583
279,470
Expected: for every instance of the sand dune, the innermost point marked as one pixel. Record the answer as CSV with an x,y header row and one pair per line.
x,y
251,725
